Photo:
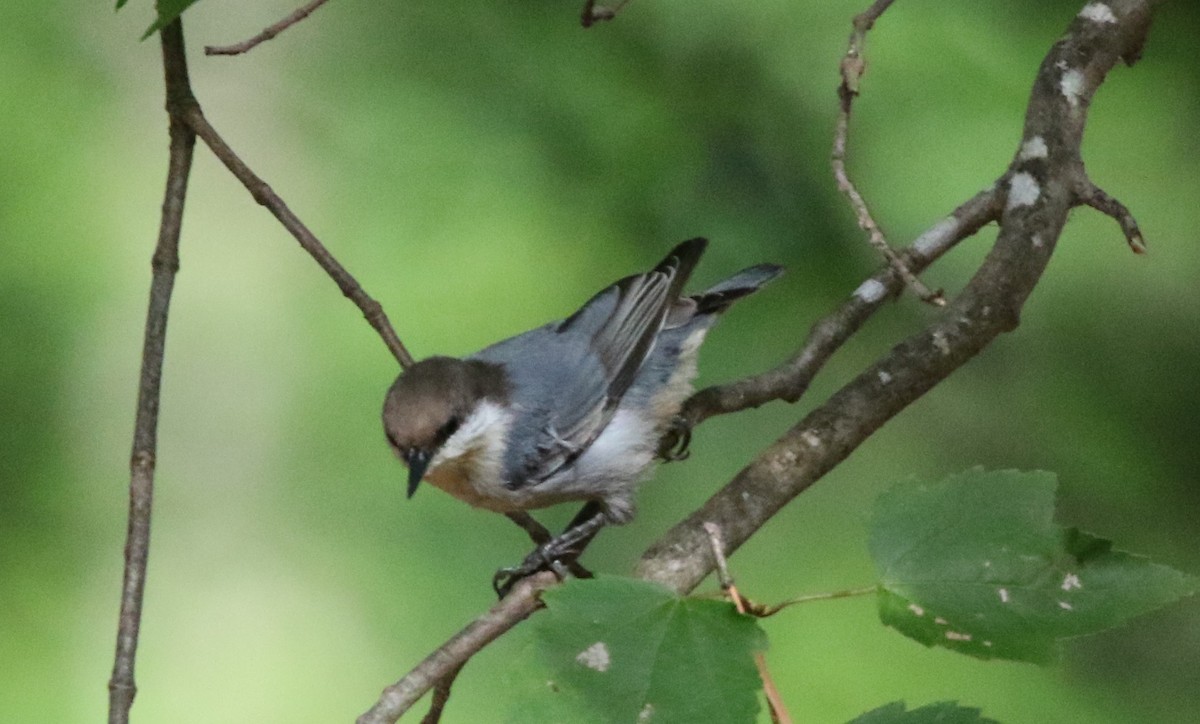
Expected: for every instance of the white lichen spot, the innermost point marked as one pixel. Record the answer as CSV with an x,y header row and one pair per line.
x,y
745,495
1065,606
870,291
884,377
936,236
1034,148
940,342
1071,581
646,714
1023,190
917,610
595,657
940,621
1003,592
811,438
1036,240
1098,13
1071,85
957,636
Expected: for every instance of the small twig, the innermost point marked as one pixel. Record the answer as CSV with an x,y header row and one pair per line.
x,y
441,695
765,611
165,263
267,33
852,68
267,197
511,610
1096,197
779,713
790,380
593,13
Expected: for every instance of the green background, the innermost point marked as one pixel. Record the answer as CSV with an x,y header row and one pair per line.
x,y
485,167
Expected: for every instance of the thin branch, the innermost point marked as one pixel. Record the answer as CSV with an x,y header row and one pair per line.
x,y
267,33
267,197
514,608
853,66
1096,197
790,380
441,695
122,686
1040,190
779,712
766,611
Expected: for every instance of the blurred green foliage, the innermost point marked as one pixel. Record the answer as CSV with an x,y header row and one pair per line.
x,y
483,168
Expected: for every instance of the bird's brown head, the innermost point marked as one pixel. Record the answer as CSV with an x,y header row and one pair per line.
x,y
427,404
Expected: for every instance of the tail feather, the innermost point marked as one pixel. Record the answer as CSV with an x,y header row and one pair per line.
x,y
718,298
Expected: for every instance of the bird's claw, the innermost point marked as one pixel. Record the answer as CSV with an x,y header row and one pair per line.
x,y
674,444
546,557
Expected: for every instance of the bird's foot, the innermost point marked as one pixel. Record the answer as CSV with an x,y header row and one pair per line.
x,y
553,555
674,444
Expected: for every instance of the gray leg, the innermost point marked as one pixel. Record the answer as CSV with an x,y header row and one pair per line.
x,y
556,552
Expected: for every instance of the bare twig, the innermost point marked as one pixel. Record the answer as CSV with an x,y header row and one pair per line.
x,y
441,695
779,713
593,13
852,68
765,611
790,380
267,197
1096,197
514,608
269,32
165,263
1039,190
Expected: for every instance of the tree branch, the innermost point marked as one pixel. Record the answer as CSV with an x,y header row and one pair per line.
x,y
790,380
268,32
1043,183
267,197
164,264
852,67
511,610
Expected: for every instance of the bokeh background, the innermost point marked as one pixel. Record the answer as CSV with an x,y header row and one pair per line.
x,y
485,167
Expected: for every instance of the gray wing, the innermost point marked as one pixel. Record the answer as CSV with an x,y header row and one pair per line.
x,y
570,377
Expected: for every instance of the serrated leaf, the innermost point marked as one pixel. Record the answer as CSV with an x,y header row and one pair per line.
x,y
943,712
975,563
620,649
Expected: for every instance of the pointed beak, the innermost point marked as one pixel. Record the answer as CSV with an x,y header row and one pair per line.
x,y
418,461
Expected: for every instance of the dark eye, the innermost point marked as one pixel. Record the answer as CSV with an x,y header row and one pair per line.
x,y
446,431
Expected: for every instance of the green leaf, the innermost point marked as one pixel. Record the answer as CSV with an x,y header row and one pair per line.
x,y
944,712
167,10
976,564
619,649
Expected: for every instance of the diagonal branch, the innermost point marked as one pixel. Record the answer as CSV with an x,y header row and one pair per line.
x,y
267,33
1041,186
164,264
511,610
267,197
791,379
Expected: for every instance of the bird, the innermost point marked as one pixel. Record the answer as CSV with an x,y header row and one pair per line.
x,y
577,410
